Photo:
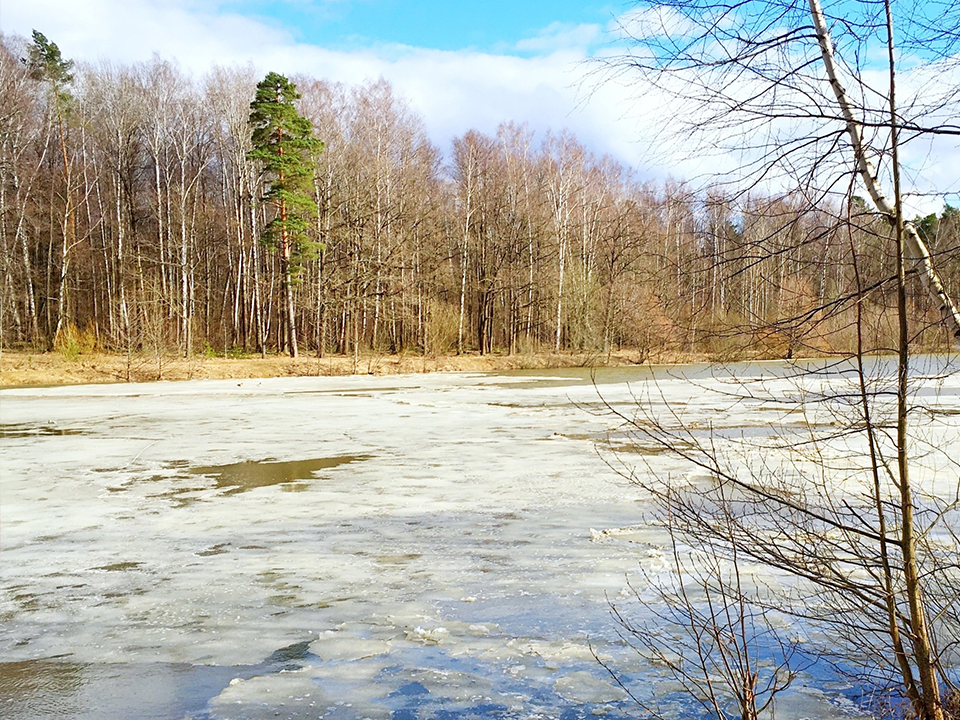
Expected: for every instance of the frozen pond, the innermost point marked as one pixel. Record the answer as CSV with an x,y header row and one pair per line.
x,y
397,547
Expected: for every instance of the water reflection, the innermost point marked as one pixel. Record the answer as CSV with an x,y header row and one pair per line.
x,y
251,474
51,689
40,688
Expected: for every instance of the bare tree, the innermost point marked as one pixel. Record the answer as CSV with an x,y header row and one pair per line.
x,y
707,622
547,247
19,170
844,510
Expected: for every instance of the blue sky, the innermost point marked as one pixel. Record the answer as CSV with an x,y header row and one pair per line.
x,y
491,25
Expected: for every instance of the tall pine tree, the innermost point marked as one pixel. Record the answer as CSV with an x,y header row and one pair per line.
x,y
283,143
47,66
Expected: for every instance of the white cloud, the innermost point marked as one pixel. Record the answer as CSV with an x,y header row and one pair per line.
x,y
561,36
196,32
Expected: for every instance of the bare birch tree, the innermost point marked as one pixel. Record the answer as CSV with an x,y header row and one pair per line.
x,y
770,81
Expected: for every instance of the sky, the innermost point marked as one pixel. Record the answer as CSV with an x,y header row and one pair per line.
x,y
460,65
500,26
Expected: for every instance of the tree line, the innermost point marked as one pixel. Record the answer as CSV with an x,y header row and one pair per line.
x,y
134,207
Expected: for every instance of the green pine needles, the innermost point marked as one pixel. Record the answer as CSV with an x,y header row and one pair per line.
x,y
46,64
283,143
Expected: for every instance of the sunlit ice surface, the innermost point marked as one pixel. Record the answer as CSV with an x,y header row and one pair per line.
x,y
402,547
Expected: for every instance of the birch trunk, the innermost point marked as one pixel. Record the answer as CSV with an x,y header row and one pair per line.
x,y
916,250
912,249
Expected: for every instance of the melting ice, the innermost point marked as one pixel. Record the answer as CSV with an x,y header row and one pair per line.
x,y
407,547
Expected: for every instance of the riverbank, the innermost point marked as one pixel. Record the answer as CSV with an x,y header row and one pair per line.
x,y
19,368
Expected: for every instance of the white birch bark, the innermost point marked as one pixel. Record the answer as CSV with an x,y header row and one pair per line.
x,y
918,253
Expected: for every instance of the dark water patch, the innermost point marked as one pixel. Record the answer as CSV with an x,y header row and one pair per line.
x,y
746,371
40,689
58,689
398,559
24,430
27,602
410,689
293,655
592,437
641,449
271,576
52,689
120,567
218,549
252,474
285,601
540,382
537,405
171,464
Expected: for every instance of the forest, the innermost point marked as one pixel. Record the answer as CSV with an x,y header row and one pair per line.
x,y
132,218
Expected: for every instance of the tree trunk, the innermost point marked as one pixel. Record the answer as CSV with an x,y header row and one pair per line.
x,y
291,315
928,706
916,250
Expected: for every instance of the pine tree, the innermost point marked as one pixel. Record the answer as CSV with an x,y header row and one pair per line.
x,y
46,63
283,143
47,66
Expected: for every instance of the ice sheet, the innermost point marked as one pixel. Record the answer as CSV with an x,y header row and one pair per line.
x,y
424,543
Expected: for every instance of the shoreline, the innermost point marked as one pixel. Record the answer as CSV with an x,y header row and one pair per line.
x,y
30,369
23,369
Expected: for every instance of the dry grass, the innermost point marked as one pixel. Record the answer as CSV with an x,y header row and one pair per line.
x,y
19,369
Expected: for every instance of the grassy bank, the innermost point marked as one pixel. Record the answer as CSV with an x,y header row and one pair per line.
x,y
20,368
